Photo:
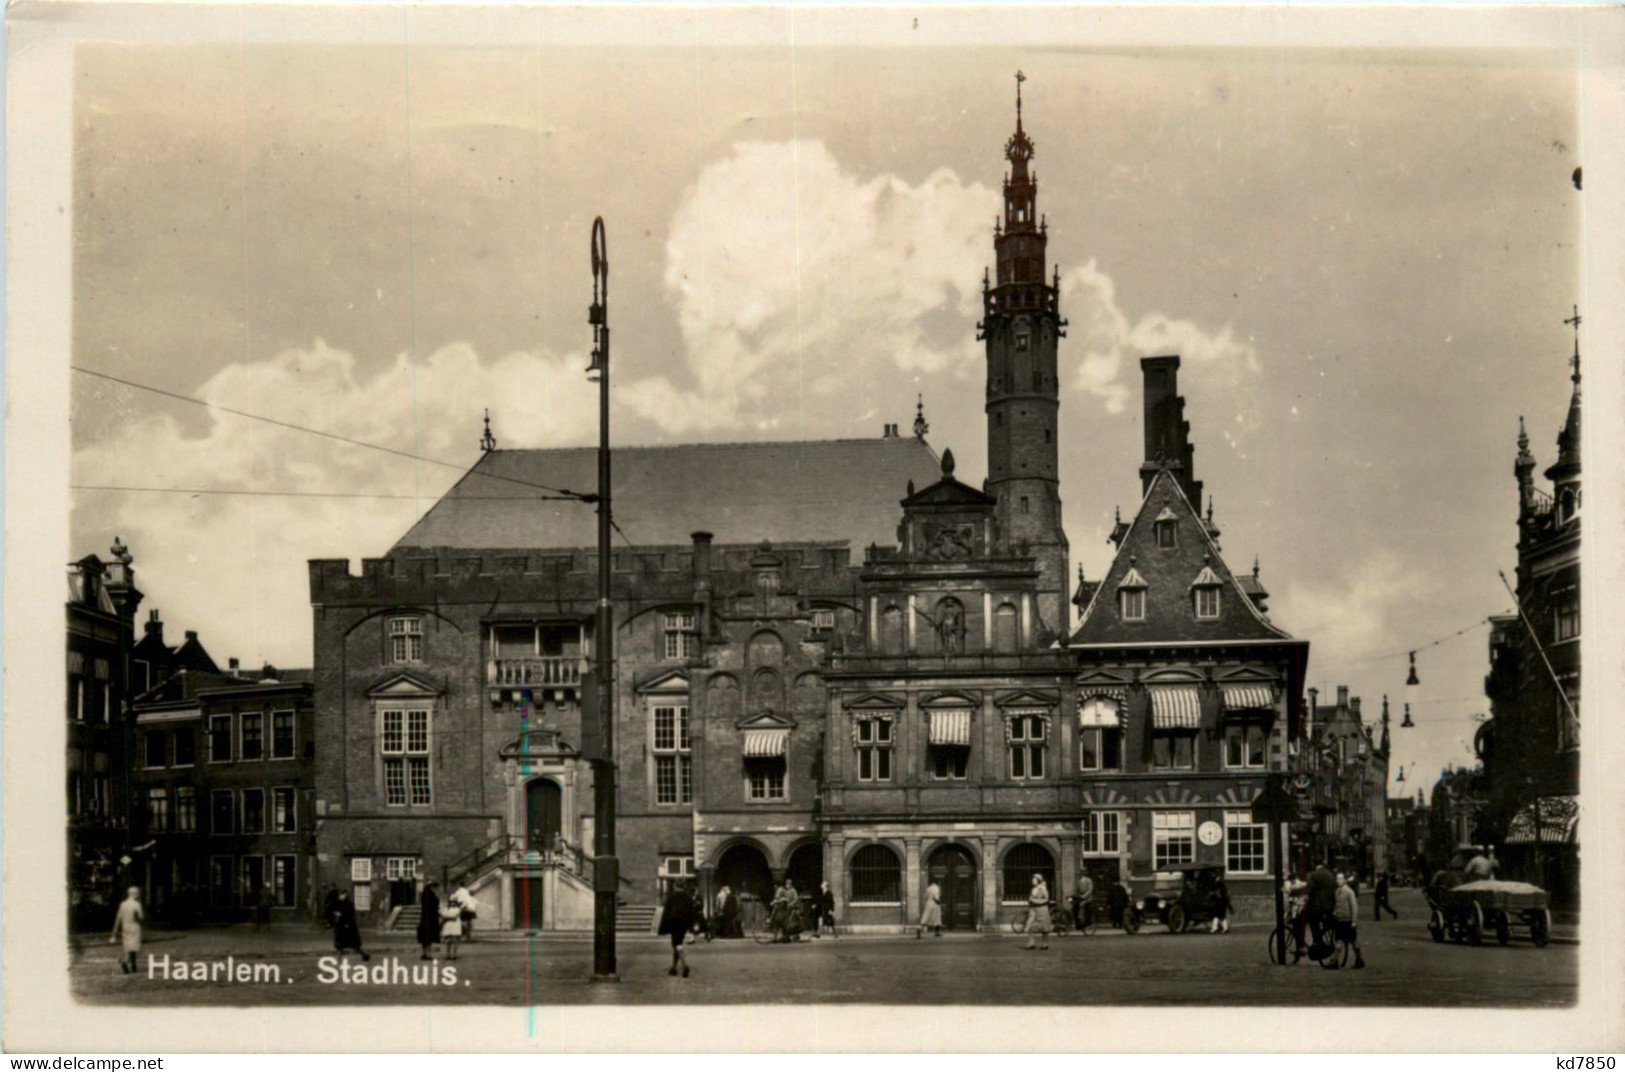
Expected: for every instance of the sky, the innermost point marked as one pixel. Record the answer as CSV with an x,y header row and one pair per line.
x,y
1364,259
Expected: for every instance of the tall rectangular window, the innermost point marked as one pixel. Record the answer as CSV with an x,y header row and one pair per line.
x,y
157,809
874,736
219,738
1565,614
253,811
185,809
284,817
222,814
253,879
674,778
185,746
1100,749
1173,838
157,750
1102,833
949,762
1246,844
1244,745
253,735
764,775
284,880
1027,735
1207,602
1133,604
679,635
405,640
404,743
282,744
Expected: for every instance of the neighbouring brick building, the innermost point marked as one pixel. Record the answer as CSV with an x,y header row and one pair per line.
x,y
101,606
834,661
1531,744
1344,761
223,772
1190,691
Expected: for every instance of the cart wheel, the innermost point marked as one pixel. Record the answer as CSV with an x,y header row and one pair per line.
x,y
1503,928
1436,927
1475,925
1131,921
1176,919
1540,928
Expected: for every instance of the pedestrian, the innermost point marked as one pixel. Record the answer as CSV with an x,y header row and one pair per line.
x,y
468,910
346,931
127,926
1321,904
428,920
330,904
1083,902
1221,908
826,910
931,911
675,920
1297,911
262,907
1039,924
451,926
1117,903
733,925
786,913
1344,915
1380,899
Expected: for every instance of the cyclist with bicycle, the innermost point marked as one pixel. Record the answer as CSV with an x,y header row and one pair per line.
x,y
1080,903
1321,906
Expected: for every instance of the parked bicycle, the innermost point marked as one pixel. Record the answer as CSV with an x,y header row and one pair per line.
x,y
1060,919
1333,950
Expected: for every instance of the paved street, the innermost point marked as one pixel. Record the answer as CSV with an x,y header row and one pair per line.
x,y
1151,968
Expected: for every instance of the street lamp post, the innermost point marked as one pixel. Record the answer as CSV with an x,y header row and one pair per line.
x,y
606,870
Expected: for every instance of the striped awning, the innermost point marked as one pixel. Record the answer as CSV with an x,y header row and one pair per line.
x,y
951,727
1102,709
1551,820
1249,697
1176,707
766,742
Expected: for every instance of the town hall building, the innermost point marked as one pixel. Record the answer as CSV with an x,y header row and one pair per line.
x,y
835,661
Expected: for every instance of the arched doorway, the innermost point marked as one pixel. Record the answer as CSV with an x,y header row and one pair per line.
x,y
806,868
744,868
953,869
544,814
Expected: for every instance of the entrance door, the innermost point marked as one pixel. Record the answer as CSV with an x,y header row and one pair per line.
x,y
1103,873
544,814
953,869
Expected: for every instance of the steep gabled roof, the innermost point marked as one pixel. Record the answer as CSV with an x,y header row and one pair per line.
x,y
1168,574
797,492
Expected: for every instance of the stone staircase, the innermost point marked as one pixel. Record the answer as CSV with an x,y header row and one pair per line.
x,y
635,918
407,918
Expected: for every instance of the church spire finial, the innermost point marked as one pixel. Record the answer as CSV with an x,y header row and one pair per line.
x,y
1574,320
1020,78
488,442
920,425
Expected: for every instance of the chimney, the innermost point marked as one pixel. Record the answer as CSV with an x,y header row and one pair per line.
x,y
191,636
233,666
1167,433
1354,705
1314,698
1342,696
155,625
888,431
702,554
268,673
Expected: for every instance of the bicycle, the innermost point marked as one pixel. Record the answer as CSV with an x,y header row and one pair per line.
x,y
1060,921
1334,948
766,930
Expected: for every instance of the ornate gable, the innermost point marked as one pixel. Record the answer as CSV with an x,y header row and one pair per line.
x,y
404,685
1167,567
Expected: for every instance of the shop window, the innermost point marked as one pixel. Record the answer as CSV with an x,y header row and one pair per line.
x,y
1246,844
1173,838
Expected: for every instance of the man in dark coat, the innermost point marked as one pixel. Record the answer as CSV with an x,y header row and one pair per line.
x,y
731,926
429,921
1117,903
676,919
346,932
1322,903
826,911
1380,902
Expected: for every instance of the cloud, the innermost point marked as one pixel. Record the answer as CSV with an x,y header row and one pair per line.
x,y
1102,331
778,259
232,566
1358,613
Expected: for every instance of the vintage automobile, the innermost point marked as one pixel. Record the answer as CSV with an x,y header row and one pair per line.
x,y
1179,898
1466,911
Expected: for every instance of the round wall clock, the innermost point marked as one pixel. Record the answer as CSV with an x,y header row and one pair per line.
x,y
1210,833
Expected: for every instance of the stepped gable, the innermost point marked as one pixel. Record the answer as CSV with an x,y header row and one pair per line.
x,y
744,493
1168,574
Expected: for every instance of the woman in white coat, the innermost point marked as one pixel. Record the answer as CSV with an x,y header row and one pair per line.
x,y
931,911
127,926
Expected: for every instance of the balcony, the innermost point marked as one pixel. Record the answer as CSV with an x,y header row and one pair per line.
x,y
535,671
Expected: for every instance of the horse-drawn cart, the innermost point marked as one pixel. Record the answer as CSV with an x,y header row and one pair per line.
x,y
1467,912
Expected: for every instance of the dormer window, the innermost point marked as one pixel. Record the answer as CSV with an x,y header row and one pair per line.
x,y
1166,527
1131,596
1205,594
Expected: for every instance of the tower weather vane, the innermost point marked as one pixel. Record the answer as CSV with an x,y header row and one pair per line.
x,y
1574,320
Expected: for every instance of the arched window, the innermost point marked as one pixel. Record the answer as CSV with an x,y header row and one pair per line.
x,y
1021,863
877,876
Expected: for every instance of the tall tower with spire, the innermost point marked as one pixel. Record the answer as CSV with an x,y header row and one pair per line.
x,y
1022,326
